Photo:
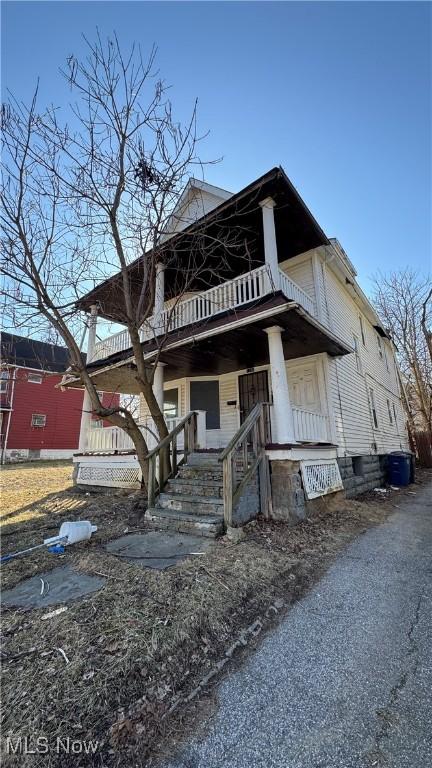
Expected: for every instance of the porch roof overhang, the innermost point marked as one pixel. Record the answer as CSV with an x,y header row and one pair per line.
x,y
231,341
297,231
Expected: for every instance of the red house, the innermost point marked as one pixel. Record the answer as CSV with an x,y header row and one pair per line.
x,y
37,419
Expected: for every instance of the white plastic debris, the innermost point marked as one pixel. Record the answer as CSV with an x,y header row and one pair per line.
x,y
79,530
51,614
380,490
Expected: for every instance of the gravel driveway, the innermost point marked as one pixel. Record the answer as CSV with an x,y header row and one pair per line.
x,y
346,678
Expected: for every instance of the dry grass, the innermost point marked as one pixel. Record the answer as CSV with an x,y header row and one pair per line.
x,y
147,635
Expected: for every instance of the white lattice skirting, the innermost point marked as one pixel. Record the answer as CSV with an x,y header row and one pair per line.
x,y
320,476
109,475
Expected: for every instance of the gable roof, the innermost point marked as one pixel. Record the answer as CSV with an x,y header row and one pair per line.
x,y
197,199
32,353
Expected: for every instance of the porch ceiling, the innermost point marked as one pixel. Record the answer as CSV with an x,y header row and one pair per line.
x,y
247,347
224,348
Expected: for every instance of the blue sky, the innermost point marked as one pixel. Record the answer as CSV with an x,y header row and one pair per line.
x,y
338,93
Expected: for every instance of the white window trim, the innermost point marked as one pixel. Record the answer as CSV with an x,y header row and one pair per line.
x,y
167,387
362,331
380,346
390,415
37,378
4,381
374,412
36,416
358,359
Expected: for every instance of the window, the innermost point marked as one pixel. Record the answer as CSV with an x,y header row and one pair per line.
x,y
170,406
204,396
394,414
386,357
362,331
38,420
4,380
357,353
34,378
373,407
380,346
389,412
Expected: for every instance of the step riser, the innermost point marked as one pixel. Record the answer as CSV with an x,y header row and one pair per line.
x,y
189,507
191,473
184,526
194,489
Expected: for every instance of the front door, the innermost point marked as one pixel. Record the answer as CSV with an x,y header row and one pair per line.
x,y
253,389
304,388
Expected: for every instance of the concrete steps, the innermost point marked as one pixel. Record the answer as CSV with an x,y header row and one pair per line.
x,y
210,526
192,501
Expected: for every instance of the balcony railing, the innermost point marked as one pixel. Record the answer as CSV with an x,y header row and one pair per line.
x,y
229,295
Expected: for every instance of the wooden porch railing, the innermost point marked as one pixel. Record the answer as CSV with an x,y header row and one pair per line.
x,y
310,427
232,294
163,460
111,439
244,454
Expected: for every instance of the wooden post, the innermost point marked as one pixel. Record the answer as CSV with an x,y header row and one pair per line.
x,y
228,490
245,455
174,455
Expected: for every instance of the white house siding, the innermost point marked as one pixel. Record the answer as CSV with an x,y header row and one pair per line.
x,y
349,387
228,393
300,270
181,384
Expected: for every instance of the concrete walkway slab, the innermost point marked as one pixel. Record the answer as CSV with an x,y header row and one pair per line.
x,y
345,681
157,549
61,585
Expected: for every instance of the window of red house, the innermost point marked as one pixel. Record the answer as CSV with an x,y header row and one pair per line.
x,y
38,420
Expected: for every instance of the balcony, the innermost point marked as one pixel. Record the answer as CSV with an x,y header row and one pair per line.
x,y
230,295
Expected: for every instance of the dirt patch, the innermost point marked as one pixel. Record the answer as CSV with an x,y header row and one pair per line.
x,y
146,636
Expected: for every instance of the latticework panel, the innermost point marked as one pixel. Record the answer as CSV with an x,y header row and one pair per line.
x,y
115,476
320,477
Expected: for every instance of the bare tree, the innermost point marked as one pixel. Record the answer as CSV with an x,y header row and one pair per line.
x,y
403,299
86,199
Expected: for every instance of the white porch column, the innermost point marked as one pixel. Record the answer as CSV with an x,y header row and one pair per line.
x,y
159,300
86,406
283,418
158,385
270,246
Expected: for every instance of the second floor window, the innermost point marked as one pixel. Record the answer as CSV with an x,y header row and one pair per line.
x,y
4,380
34,378
389,412
380,346
362,331
373,407
357,354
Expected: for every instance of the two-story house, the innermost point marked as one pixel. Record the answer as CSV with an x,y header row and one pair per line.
x,y
37,419
291,329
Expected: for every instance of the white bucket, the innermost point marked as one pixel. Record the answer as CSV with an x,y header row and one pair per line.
x,y
80,530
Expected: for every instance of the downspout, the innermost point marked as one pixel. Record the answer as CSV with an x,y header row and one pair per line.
x,y
3,456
